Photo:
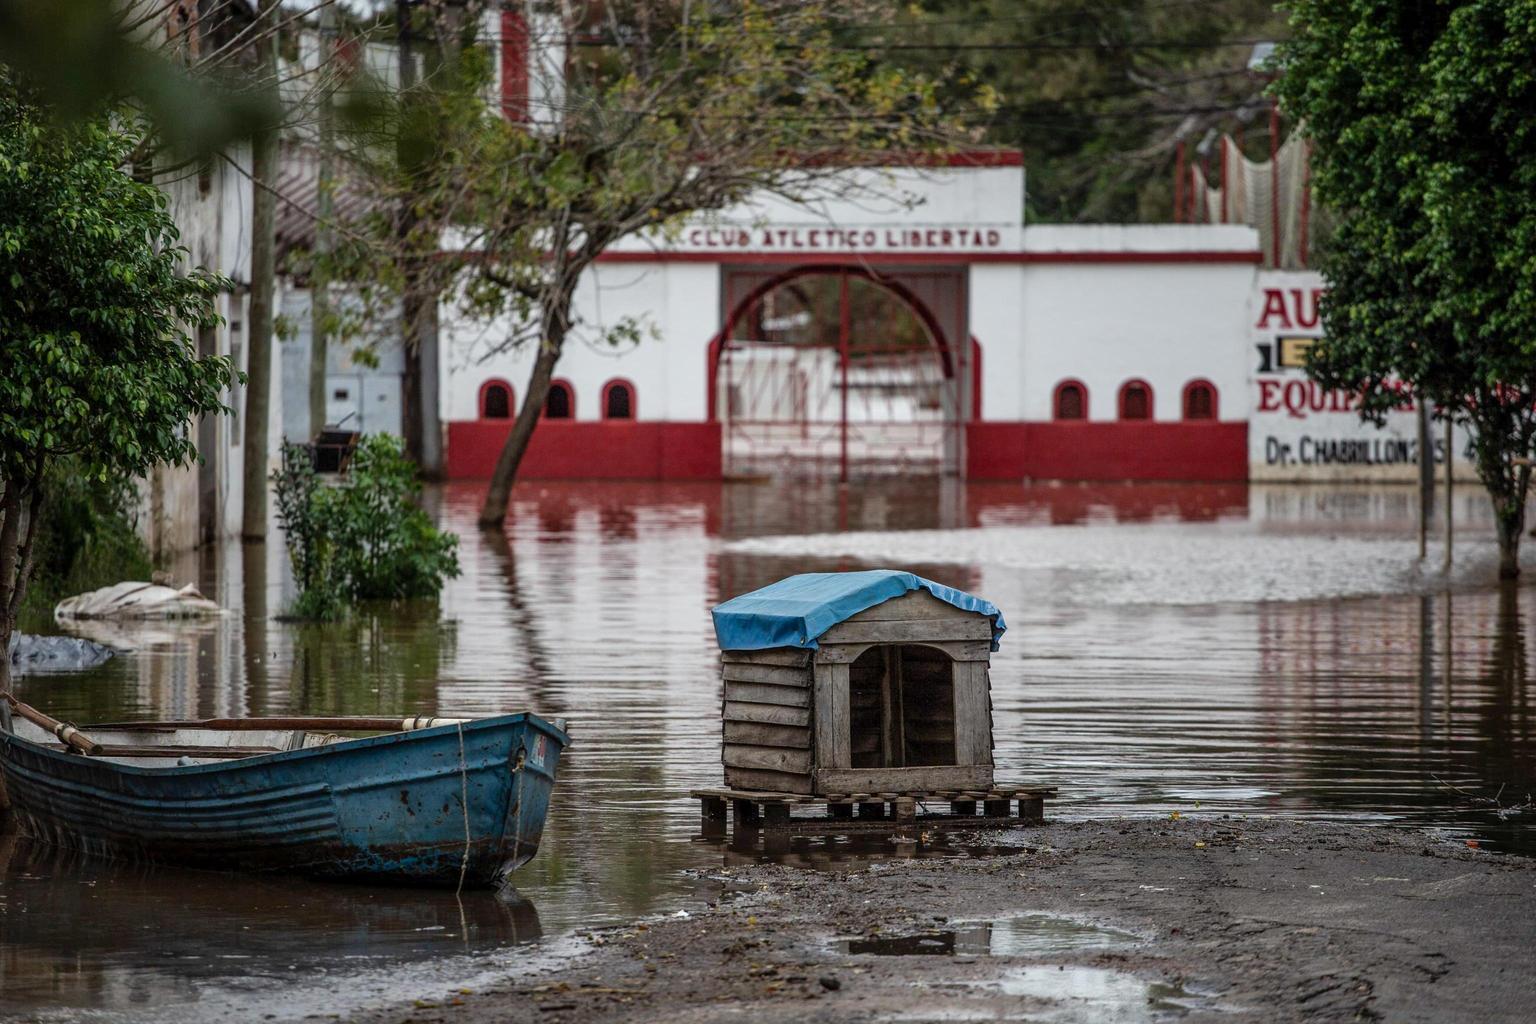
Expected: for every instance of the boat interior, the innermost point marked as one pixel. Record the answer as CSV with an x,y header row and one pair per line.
x,y
182,744
160,746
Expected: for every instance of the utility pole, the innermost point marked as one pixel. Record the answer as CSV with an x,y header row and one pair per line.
x,y
319,273
420,418
1450,470
258,384
1426,476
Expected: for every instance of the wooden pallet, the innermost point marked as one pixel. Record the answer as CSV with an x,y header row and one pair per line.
x,y
755,809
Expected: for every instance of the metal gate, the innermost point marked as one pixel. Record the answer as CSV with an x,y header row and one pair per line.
x,y
839,372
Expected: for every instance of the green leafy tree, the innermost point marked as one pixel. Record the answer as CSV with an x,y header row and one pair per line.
x,y
1424,116
96,305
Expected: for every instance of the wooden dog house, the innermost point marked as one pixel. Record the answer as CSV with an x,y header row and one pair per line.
x,y
857,683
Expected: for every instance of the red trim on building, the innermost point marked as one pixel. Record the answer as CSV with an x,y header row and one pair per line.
x,y
1121,407
1133,450
975,379
602,450
1082,390
1201,382
873,258
514,66
561,384
634,398
486,386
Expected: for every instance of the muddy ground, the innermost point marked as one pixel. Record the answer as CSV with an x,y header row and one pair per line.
x,y
1197,919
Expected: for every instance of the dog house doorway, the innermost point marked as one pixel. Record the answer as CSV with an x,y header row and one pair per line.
x,y
901,704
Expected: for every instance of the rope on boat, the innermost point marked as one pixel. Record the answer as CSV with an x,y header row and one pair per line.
x,y
464,807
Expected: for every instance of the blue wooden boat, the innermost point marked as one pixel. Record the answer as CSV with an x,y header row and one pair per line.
x,y
432,801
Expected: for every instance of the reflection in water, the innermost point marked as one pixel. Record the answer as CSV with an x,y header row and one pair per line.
x,y
1024,935
595,606
101,933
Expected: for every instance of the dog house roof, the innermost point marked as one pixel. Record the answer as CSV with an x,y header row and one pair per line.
x,y
795,611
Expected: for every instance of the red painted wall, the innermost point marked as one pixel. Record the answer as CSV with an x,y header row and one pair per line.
x,y
579,449
1107,451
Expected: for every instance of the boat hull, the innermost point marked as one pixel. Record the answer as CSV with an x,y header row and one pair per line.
x,y
425,807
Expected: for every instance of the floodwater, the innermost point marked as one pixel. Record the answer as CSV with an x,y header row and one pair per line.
x,y
1210,650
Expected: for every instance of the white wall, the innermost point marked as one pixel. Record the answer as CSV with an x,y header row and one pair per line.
x,y
677,307
1105,323
996,320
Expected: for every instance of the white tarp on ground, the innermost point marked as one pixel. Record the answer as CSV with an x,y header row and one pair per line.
x,y
137,600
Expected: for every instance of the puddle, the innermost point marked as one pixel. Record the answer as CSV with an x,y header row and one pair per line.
x,y
1025,935
1094,993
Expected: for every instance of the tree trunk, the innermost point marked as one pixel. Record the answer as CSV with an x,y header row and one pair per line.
x,y
410,377
258,384
499,494
16,557
1496,443
325,208
10,536
1509,550
419,420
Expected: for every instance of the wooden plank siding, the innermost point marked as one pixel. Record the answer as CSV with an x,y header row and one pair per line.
x,y
832,740
960,650
908,631
791,657
914,604
767,781
768,714
761,693
777,759
796,737
897,780
776,674
973,715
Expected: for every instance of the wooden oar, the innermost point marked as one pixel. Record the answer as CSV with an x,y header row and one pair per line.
x,y
316,724
63,730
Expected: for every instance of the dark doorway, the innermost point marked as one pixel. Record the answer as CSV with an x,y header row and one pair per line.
x,y
901,707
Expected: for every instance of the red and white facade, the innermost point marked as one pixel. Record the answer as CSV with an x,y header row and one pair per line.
x,y
1104,352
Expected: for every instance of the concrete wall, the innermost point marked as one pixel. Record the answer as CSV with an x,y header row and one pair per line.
x,y
185,506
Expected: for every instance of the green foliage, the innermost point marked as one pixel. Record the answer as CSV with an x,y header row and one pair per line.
x,y
307,532
95,306
364,538
1424,116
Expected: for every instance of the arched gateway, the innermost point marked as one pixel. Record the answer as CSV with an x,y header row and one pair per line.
x,y
840,370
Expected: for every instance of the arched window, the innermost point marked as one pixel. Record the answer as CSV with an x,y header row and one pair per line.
x,y
495,400
1136,400
560,403
1071,402
618,400
1199,400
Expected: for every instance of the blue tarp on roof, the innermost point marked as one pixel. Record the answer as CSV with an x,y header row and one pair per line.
x,y
794,612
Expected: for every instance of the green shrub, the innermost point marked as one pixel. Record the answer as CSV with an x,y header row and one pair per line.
x,y
364,538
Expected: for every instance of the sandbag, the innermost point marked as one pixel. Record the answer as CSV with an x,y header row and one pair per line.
x,y
136,600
